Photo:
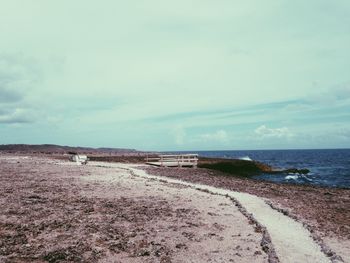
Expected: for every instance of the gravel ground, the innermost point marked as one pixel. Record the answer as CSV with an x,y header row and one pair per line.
x,y
54,211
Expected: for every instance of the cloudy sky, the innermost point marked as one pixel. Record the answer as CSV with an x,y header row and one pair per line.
x,y
176,75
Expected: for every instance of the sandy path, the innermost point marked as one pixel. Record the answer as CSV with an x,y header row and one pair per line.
x,y
214,229
325,212
291,240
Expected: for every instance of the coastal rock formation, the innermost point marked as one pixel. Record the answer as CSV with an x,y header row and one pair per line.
x,y
237,167
243,167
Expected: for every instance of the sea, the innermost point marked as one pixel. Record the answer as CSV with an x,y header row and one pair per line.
x,y
327,167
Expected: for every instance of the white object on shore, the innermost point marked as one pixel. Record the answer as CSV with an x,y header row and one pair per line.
x,y
79,159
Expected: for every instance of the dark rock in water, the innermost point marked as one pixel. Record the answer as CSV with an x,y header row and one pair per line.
x,y
296,171
243,167
236,167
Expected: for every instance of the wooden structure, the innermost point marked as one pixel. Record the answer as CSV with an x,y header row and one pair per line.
x,y
174,160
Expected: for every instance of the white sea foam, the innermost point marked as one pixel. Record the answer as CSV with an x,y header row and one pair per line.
x,y
245,158
306,178
291,177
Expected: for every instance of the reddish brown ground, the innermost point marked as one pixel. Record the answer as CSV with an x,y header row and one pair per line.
x,y
45,218
54,212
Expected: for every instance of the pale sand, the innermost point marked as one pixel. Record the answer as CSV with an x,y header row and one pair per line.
x,y
292,242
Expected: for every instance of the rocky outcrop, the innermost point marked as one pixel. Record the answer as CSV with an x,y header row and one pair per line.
x,y
296,171
236,167
243,167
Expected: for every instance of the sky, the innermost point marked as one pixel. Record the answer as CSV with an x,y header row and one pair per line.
x,y
176,75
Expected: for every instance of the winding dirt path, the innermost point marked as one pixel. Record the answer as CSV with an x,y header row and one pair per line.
x,y
291,241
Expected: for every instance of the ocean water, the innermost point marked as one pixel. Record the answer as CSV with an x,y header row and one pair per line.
x,y
327,167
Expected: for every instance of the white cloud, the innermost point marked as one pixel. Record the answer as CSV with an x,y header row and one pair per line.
x,y
264,132
16,116
218,136
18,77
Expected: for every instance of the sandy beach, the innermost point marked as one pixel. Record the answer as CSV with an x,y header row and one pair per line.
x,y
55,211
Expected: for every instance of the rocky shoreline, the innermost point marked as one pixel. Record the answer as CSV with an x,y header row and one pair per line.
x,y
324,211
310,201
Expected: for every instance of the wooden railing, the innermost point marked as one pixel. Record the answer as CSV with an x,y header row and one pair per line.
x,y
178,160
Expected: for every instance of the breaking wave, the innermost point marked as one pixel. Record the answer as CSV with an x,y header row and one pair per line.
x,y
245,158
